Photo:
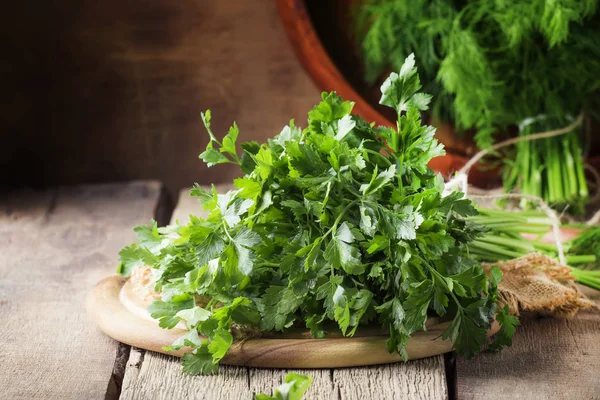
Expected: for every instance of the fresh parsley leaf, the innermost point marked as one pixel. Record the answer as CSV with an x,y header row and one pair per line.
x,y
193,316
220,342
230,139
212,157
293,388
508,325
378,180
399,88
467,336
340,252
200,361
133,256
190,339
166,312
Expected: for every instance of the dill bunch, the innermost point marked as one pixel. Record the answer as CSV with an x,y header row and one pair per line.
x,y
491,65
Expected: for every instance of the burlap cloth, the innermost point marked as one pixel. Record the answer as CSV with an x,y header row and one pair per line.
x,y
535,282
538,283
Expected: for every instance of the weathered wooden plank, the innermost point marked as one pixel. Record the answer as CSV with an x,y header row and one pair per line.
x,y
419,379
55,245
551,358
155,376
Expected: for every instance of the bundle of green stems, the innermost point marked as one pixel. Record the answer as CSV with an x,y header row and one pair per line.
x,y
504,240
551,169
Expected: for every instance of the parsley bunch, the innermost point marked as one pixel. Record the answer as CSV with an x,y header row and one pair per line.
x,y
333,228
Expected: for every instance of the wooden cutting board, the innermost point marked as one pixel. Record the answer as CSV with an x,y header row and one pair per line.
x,y
120,314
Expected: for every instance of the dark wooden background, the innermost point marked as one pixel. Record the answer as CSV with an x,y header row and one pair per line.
x,y
112,90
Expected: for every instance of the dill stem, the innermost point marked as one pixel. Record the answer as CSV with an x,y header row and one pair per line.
x,y
581,259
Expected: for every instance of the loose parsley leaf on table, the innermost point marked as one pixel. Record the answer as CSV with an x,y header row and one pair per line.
x,y
293,388
334,227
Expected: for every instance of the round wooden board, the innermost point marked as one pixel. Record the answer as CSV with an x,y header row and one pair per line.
x,y
113,307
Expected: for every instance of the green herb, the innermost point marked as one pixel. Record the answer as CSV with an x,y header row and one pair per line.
x,y
494,65
503,241
334,227
588,242
293,388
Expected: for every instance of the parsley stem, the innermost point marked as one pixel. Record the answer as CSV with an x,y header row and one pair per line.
x,y
339,217
236,159
268,264
226,231
336,222
210,303
350,188
272,223
399,171
384,158
443,281
213,137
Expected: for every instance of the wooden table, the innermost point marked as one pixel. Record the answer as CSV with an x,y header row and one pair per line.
x,y
57,243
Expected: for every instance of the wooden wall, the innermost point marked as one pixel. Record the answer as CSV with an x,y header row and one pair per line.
x,y
112,90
